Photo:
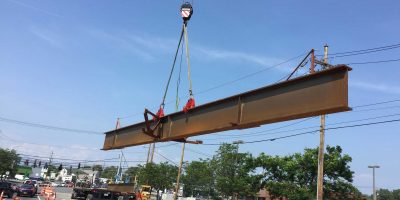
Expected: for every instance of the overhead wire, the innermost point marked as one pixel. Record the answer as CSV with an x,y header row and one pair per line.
x,y
306,119
308,132
373,62
269,132
25,123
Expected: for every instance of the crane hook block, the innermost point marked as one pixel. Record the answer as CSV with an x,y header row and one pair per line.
x,y
186,11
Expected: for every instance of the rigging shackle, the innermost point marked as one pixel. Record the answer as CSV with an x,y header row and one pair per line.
x,y
186,11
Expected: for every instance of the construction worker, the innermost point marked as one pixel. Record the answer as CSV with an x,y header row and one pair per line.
x,y
48,192
139,195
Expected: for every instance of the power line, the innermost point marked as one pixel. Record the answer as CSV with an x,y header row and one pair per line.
x,y
359,106
365,51
229,82
377,103
25,123
249,75
373,62
313,131
173,162
268,132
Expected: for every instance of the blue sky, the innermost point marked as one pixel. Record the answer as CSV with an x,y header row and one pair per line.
x,y
82,64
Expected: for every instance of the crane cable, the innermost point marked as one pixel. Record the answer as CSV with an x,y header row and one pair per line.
x,y
186,12
172,70
178,83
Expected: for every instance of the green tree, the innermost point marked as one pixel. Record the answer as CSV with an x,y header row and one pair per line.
x,y
295,176
97,168
9,162
385,194
396,194
109,172
234,172
198,178
159,176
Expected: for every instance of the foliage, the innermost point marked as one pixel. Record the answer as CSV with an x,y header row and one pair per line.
x,y
198,178
295,176
9,162
234,172
109,172
159,176
97,168
51,168
385,194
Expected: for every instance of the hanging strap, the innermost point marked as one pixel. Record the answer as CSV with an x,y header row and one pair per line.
x,y
178,82
188,58
190,103
172,69
160,112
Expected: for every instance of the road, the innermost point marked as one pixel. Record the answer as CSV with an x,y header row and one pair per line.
x,y
62,194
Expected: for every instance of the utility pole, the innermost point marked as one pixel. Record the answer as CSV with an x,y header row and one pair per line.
x,y
179,172
148,153
181,163
236,162
152,152
51,157
373,179
320,180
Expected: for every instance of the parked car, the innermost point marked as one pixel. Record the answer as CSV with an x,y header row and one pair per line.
x,y
27,190
32,182
55,184
8,189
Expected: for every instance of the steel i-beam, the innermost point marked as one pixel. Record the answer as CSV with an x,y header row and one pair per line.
x,y
319,93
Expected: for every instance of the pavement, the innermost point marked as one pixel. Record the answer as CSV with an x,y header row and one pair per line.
x,y
62,194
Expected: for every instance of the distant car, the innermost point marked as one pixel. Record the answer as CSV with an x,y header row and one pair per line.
x,y
70,184
55,184
27,190
7,188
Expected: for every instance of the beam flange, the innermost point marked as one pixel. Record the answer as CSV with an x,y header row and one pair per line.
x,y
323,92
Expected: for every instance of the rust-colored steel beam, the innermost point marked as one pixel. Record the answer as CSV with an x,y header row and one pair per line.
x,y
319,93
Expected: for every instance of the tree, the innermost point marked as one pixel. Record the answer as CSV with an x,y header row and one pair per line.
x,y
396,194
97,168
234,172
60,167
385,194
295,176
9,162
198,178
109,172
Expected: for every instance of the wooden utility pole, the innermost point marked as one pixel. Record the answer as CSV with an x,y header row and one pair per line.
x,y
179,172
320,181
152,152
148,153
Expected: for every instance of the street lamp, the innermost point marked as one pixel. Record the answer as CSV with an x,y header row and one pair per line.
x,y
373,179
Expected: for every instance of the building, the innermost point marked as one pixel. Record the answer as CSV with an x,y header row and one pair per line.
x,y
38,172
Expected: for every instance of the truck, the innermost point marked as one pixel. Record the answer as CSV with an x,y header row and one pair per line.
x,y
111,192
8,189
